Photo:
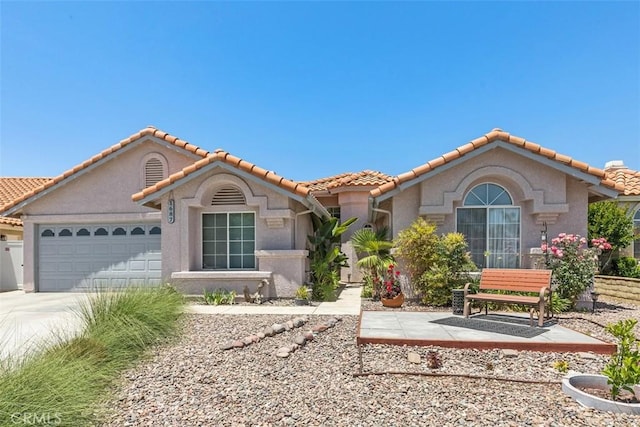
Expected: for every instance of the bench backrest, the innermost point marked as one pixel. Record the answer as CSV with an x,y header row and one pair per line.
x,y
515,279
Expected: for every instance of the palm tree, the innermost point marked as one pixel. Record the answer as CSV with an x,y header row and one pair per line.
x,y
374,254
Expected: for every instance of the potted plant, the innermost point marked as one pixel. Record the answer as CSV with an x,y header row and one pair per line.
x,y
622,373
391,295
302,295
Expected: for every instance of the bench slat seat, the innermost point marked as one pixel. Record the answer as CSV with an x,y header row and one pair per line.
x,y
514,299
513,280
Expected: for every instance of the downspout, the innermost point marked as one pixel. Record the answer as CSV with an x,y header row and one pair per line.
x,y
388,213
373,208
295,224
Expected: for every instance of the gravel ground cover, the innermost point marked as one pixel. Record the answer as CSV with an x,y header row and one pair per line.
x,y
195,383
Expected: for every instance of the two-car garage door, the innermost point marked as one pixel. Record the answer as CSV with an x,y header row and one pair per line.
x,y
77,257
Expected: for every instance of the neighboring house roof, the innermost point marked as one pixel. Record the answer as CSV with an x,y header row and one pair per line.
x,y
12,189
349,179
498,136
222,158
628,178
65,176
13,222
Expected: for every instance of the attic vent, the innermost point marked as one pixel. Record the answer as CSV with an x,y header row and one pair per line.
x,y
228,196
153,172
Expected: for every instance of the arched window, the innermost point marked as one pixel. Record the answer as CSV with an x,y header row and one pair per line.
x,y
65,232
491,226
101,232
155,230
48,233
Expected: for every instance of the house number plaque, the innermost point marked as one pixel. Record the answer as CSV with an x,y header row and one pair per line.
x,y
171,211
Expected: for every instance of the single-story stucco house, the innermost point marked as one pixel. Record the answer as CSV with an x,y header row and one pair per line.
x,y
154,208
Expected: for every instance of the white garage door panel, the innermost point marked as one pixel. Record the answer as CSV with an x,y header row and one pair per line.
x,y
81,257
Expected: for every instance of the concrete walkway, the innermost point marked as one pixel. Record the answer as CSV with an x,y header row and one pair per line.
x,y
348,303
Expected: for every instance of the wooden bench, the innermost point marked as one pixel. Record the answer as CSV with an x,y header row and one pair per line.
x,y
513,280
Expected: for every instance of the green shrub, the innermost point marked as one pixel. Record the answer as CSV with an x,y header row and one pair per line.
x,y
219,297
325,257
302,292
367,287
623,370
626,267
436,265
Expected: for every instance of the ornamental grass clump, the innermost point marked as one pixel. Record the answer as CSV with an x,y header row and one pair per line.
x,y
64,382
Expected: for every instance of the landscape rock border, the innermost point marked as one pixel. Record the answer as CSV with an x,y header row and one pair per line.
x,y
300,340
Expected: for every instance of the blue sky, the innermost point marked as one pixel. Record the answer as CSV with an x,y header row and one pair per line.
x,y
312,89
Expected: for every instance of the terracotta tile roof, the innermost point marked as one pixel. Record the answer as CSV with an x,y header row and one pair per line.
x,y
223,156
13,188
628,178
349,179
148,131
495,135
13,222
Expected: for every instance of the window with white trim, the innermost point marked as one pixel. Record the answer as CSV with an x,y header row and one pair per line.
x,y
491,226
228,241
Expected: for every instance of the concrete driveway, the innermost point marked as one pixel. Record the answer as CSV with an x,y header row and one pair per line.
x,y
32,319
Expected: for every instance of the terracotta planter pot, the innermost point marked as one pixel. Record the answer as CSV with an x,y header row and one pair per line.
x,y
393,302
572,385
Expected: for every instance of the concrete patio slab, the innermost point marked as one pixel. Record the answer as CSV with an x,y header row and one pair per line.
x,y
418,328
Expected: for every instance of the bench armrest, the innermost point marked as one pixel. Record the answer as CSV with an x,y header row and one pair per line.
x,y
543,293
466,288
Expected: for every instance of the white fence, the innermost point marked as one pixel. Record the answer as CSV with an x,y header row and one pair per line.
x,y
11,265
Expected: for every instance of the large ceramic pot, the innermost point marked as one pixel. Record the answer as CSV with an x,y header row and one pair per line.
x,y
572,385
395,302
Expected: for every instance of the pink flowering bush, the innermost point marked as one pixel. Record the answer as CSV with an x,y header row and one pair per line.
x,y
573,264
391,283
